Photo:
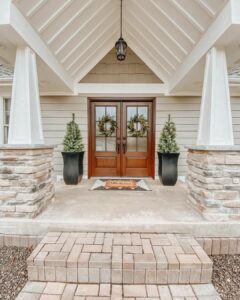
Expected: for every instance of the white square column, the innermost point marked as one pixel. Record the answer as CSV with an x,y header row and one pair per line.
x,y
25,126
215,125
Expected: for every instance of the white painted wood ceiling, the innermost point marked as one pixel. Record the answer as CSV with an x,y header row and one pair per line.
x,y
81,32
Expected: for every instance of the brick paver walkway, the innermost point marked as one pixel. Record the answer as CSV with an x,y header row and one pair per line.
x,y
128,258
56,291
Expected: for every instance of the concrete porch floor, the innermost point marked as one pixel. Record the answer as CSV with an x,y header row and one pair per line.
x,y
163,210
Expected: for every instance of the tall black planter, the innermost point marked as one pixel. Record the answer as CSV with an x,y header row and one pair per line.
x,y
72,167
168,169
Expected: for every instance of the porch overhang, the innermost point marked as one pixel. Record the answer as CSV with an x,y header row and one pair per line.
x,y
171,38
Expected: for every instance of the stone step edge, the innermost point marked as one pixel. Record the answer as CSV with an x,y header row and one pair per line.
x,y
119,276
67,291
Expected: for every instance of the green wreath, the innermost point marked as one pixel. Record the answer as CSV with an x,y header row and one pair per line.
x,y
143,126
102,125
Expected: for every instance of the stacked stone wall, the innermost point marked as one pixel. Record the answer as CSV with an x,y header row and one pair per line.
x,y
214,183
26,185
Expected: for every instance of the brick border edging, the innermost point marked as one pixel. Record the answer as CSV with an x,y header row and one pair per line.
x,y
212,246
220,246
18,240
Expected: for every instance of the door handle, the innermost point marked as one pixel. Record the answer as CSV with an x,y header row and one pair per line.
x,y
124,145
118,146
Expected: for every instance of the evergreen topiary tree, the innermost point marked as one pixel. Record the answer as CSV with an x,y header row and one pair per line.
x,y
73,139
167,141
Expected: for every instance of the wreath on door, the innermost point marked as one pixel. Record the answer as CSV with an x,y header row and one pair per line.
x,y
105,130
133,126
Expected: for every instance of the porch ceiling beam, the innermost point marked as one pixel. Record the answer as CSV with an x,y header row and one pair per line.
x,y
194,22
21,32
121,90
53,16
145,56
99,52
205,5
152,48
174,22
68,21
132,19
220,25
83,56
104,6
105,22
35,8
143,7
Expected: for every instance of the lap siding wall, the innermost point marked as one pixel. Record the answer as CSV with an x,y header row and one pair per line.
x,y
57,111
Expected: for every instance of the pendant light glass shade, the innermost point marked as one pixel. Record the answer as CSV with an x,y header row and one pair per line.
x,y
121,49
121,45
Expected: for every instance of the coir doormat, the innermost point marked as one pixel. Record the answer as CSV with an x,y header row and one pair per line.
x,y
120,184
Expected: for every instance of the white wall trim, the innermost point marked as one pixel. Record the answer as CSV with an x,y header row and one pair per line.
x,y
121,90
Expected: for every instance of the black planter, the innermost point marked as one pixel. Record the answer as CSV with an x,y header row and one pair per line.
x,y
72,167
167,169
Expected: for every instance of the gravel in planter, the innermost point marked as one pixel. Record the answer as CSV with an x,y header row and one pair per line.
x,y
226,276
13,271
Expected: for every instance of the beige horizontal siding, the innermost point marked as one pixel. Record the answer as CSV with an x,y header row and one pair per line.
x,y
56,112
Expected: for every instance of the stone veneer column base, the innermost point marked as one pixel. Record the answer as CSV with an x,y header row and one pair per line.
x,y
26,185
214,181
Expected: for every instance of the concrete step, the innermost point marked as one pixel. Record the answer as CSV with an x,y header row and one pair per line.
x,y
63,291
128,258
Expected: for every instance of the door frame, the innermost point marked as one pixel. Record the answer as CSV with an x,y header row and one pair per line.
x,y
130,99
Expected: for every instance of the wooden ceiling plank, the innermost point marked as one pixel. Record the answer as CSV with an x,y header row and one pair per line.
x,y
95,57
104,22
138,30
58,11
182,10
92,14
66,21
165,8
143,11
30,13
100,38
205,5
146,57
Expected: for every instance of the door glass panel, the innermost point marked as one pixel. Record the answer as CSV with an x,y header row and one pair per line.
x,y
131,144
110,144
100,144
105,133
143,110
136,140
142,144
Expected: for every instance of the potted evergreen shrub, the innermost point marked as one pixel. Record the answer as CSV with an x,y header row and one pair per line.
x,y
73,153
168,153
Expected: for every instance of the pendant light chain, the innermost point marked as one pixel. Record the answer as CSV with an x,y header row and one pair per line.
x,y
121,45
121,21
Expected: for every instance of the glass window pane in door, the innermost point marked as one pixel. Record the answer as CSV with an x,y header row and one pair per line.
x,y
142,144
111,143
100,144
131,144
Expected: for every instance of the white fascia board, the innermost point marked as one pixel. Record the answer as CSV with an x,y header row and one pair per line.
x,y
121,90
235,6
26,33
219,26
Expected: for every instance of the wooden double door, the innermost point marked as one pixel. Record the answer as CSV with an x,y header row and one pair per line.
x,y
120,151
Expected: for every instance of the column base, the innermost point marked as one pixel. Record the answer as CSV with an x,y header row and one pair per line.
x,y
214,181
26,184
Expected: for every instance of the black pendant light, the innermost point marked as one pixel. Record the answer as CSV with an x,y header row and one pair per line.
x,y
121,45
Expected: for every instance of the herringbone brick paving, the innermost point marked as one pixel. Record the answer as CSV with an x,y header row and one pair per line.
x,y
127,258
